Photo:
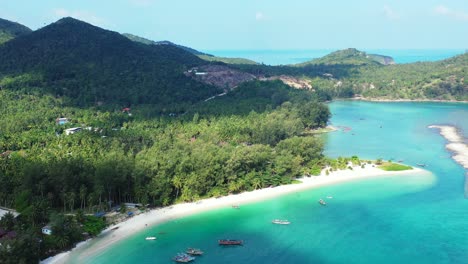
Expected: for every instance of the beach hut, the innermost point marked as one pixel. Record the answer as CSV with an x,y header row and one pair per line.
x,y
61,121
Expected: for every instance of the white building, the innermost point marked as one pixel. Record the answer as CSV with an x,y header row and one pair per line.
x,y
47,230
72,130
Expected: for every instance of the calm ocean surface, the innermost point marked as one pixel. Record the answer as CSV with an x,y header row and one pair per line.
x,y
403,219
277,57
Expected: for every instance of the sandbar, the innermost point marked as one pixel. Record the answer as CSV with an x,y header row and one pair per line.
x,y
456,144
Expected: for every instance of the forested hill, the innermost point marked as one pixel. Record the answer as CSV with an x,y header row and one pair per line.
x,y
88,65
10,30
351,57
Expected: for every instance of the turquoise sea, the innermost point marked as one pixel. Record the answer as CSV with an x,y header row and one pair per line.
x,y
400,219
277,57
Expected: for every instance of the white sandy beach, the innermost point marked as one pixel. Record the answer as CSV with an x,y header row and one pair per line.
x,y
158,216
456,144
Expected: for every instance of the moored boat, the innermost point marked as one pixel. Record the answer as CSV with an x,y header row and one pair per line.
x,y
322,202
194,251
280,222
150,238
183,258
230,242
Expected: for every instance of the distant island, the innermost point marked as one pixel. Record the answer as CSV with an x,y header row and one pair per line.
x,y
351,57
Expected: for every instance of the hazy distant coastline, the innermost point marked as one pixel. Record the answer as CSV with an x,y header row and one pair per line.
x,y
284,57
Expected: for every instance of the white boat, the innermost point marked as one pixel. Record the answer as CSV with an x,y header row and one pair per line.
x,y
280,222
150,238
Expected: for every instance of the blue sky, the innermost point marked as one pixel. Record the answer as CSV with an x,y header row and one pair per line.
x,y
265,24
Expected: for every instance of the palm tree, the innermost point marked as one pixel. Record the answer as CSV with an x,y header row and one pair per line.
x,y
8,221
62,241
177,181
71,200
257,183
83,190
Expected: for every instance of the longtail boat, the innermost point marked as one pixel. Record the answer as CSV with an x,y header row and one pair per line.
x,y
230,242
183,258
194,251
280,222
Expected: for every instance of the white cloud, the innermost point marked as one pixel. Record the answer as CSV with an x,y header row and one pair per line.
x,y
445,11
141,3
259,16
389,13
441,10
81,15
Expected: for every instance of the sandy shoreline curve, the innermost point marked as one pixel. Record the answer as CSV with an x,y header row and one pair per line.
x,y
158,216
456,143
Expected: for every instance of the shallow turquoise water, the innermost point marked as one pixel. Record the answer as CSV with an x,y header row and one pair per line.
x,y
402,219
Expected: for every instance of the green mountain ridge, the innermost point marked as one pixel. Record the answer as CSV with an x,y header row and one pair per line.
x,y
164,42
10,30
201,55
89,65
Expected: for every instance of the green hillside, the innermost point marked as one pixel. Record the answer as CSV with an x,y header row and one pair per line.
x,y
347,73
445,80
10,30
87,65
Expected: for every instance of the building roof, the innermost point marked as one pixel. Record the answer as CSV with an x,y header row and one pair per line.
x,y
73,129
4,211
